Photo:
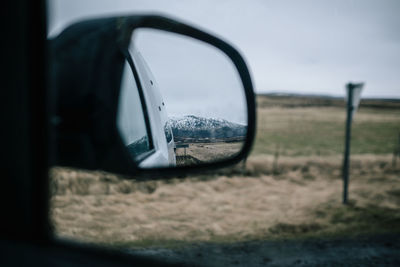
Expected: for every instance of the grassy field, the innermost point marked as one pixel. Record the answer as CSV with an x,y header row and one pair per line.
x,y
294,195
319,130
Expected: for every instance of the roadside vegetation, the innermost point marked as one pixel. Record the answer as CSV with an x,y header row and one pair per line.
x,y
289,187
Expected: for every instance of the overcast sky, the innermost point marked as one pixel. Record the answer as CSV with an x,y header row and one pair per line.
x,y
290,46
194,77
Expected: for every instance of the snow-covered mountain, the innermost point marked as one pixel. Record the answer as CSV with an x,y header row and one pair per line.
x,y
191,126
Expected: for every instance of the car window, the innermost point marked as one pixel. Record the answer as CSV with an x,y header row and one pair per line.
x,y
131,118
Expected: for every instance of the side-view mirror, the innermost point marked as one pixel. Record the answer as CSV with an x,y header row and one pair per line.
x,y
147,95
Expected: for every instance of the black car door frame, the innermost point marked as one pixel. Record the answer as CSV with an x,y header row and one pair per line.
x,y
25,135
26,237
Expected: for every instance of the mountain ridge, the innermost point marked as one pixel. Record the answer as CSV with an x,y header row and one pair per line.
x,y
191,126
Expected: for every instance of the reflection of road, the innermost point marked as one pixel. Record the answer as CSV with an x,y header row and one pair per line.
x,y
367,251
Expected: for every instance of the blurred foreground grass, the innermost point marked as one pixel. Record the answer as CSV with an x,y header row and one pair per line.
x,y
302,201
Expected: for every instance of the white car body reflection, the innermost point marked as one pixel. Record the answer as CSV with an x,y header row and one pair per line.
x,y
161,150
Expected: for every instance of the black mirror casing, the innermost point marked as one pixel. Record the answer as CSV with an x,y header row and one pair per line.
x,y
86,64
85,70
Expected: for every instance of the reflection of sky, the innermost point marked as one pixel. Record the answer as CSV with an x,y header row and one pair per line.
x,y
194,77
310,46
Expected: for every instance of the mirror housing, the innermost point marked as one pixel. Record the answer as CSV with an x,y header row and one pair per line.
x,y
86,68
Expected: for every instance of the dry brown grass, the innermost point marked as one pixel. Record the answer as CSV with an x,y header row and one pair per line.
x,y
303,200
210,152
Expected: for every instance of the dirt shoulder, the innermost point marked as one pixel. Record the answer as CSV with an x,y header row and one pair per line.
x,y
381,250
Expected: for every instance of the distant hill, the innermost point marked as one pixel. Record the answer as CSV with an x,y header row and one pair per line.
x,y
200,128
288,100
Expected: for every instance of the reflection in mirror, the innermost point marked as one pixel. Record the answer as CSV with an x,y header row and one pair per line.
x,y
188,105
131,119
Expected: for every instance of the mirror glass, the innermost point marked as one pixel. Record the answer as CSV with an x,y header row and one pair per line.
x,y
181,103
